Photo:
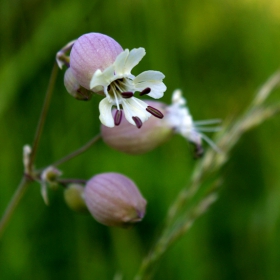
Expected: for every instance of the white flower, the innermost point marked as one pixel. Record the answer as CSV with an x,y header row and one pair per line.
x,y
119,86
180,119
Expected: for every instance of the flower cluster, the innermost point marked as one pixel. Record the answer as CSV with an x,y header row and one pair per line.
x,y
98,64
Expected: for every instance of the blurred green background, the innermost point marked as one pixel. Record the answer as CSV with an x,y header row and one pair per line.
x,y
218,52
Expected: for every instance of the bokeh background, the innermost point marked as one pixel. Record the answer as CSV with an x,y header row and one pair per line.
x,y
218,52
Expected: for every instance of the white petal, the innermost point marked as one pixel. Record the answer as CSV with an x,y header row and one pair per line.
x,y
133,59
120,62
128,113
149,76
157,89
153,80
109,74
97,79
134,107
124,64
100,78
105,113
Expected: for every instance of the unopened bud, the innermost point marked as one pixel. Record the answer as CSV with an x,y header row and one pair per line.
x,y
131,140
114,200
73,196
91,52
50,176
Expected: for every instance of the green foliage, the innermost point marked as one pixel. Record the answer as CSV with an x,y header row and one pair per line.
x,y
219,53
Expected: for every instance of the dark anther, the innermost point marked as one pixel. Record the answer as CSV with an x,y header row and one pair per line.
x,y
137,121
127,94
108,88
155,112
118,117
145,91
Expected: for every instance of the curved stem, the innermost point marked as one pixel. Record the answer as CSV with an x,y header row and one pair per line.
x,y
43,116
28,177
79,151
20,191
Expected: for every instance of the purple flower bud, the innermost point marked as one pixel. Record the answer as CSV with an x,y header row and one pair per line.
x,y
91,52
114,200
131,140
73,196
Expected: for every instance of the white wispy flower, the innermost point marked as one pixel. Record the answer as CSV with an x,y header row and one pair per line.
x,y
179,117
119,86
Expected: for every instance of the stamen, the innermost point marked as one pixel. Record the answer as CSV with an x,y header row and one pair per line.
x,y
118,117
210,142
137,121
116,100
118,86
203,122
145,91
155,112
127,94
208,129
108,88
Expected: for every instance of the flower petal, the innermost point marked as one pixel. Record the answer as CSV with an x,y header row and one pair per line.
x,y
100,78
149,76
133,59
153,80
124,64
134,107
105,113
120,61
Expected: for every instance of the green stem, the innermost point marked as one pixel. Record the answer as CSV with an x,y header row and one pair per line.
x,y
79,151
20,191
29,176
43,116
